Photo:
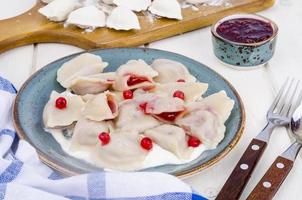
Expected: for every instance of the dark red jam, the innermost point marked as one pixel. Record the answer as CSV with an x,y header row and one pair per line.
x,y
134,80
169,116
245,30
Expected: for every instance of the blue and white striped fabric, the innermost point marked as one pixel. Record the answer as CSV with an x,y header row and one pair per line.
x,y
23,176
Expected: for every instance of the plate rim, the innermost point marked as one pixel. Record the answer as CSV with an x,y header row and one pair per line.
x,y
52,163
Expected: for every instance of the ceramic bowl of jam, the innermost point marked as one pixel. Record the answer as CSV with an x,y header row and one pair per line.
x,y
244,40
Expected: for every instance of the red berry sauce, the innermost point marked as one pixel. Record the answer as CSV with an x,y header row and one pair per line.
x,y
61,103
143,107
111,105
146,143
245,30
193,141
179,94
128,94
134,80
169,116
181,80
104,137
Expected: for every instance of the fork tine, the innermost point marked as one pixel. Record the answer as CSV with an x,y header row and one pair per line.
x,y
281,102
289,98
271,109
295,105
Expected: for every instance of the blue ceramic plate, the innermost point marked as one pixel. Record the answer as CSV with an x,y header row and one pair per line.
x,y
35,92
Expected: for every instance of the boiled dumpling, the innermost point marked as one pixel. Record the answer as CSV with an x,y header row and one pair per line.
x,y
118,96
87,17
87,97
82,65
134,74
85,134
58,10
166,109
195,2
101,107
171,138
205,119
164,104
55,117
108,1
135,5
205,125
171,71
123,152
191,90
166,8
131,117
219,102
122,18
47,1
92,84
141,97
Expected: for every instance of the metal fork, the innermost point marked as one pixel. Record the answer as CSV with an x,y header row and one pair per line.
x,y
273,178
279,114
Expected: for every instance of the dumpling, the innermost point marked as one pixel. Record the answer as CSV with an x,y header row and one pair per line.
x,y
195,2
82,65
118,96
47,1
131,117
134,74
123,152
58,10
87,17
171,138
166,109
108,1
171,71
59,117
219,102
93,84
101,107
205,119
85,134
191,90
87,97
135,5
166,8
122,18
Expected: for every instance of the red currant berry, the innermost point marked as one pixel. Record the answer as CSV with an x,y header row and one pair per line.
x,y
61,103
179,94
193,141
181,80
104,137
128,94
146,143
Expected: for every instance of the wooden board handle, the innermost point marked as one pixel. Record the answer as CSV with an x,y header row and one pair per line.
x,y
272,180
241,174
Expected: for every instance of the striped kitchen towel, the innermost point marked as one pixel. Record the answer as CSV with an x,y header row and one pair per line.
x,y
23,176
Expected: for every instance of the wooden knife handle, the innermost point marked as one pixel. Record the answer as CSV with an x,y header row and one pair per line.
x,y
272,180
241,174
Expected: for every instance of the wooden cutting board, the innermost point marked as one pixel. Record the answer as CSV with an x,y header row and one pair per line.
x,y
32,27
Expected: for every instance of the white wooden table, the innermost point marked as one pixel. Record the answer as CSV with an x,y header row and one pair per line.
x,y
257,87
